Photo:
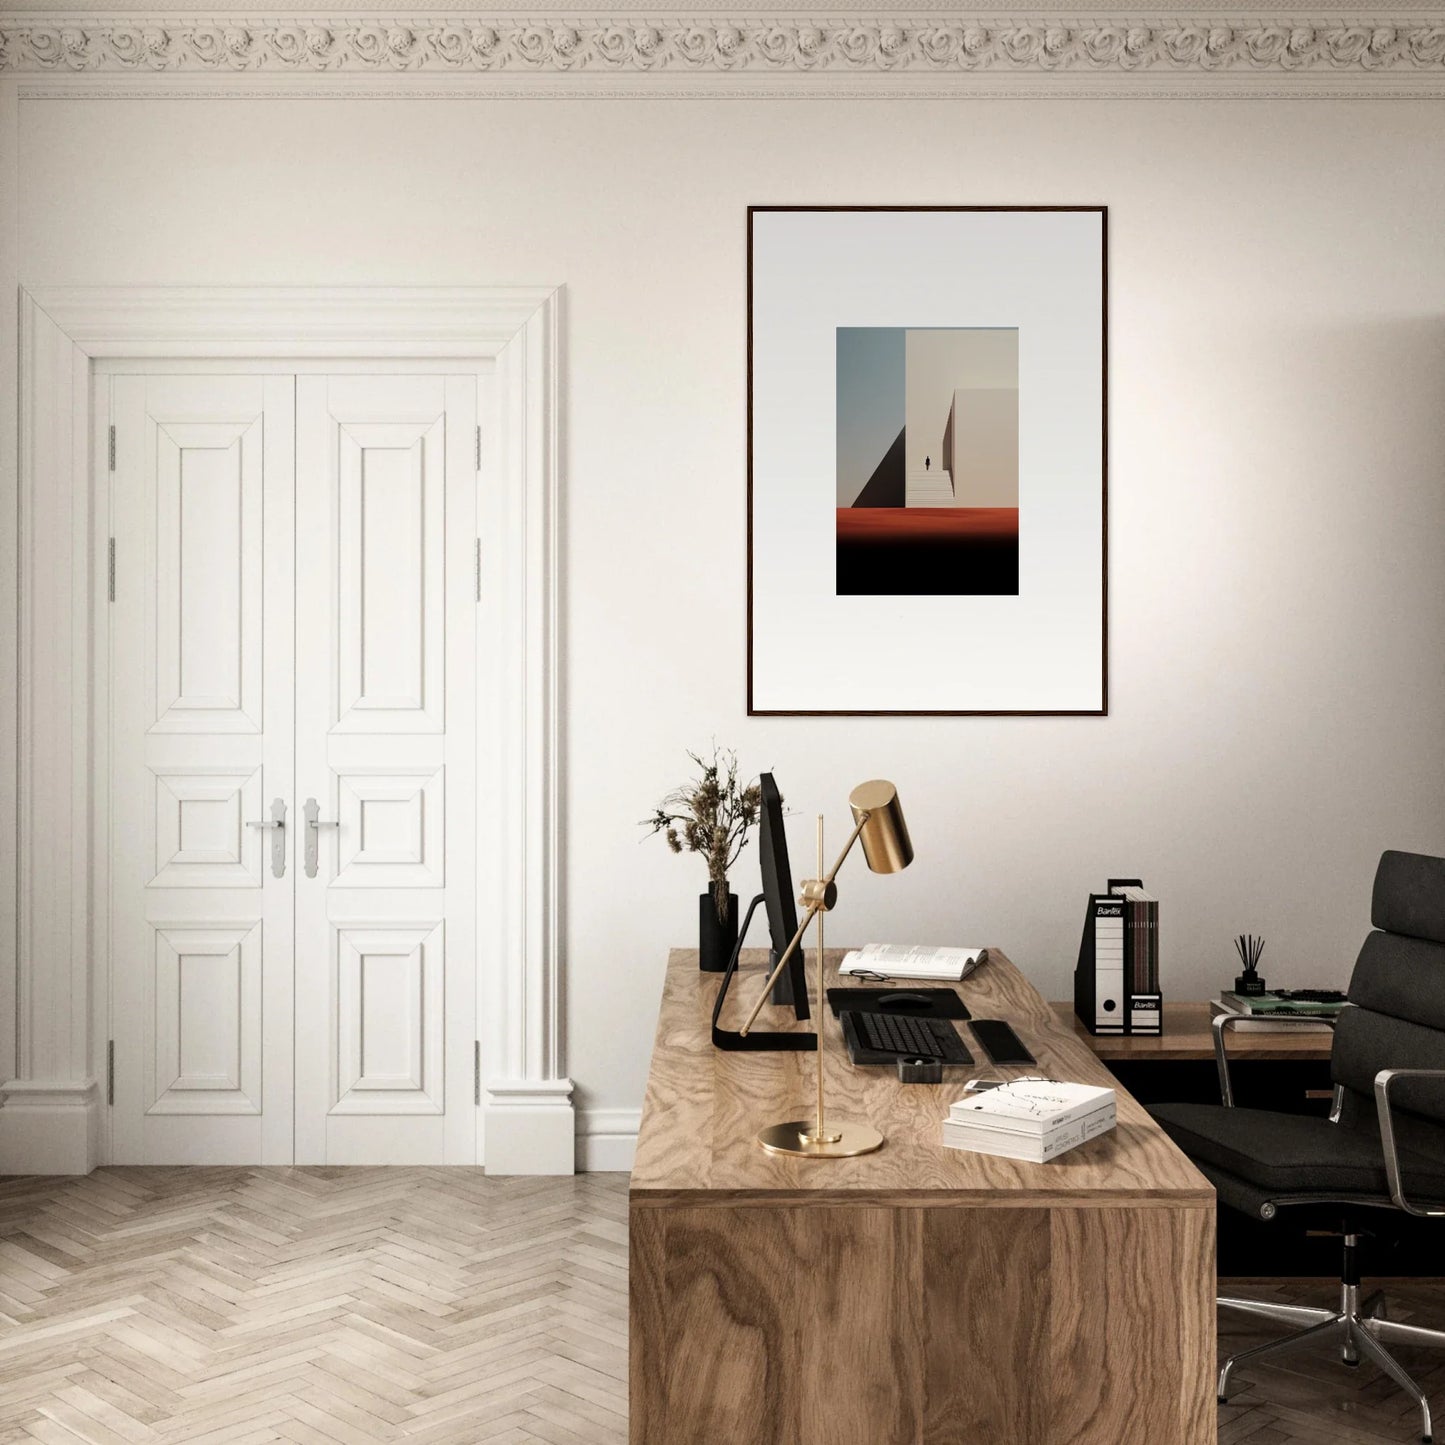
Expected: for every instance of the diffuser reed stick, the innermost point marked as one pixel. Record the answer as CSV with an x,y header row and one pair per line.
x,y
1249,947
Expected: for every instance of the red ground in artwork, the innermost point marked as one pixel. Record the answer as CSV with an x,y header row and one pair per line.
x,y
927,524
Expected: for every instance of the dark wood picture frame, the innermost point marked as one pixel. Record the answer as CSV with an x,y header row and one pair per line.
x,y
1103,709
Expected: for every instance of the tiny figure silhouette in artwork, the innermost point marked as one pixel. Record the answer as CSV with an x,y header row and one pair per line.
x,y
927,463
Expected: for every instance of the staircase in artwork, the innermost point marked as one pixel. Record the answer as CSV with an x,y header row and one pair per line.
x,y
929,489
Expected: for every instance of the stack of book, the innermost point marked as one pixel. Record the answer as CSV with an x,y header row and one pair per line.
x,y
1032,1119
1263,1012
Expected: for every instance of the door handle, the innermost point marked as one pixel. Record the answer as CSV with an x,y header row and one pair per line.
x,y
276,822
314,825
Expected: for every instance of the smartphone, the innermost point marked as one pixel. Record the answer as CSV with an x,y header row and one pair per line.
x,y
1000,1042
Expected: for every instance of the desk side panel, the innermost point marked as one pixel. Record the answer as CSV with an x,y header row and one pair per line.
x,y
857,1325
1132,1326
776,1326
986,1296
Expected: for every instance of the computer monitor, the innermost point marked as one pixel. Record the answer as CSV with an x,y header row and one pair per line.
x,y
791,987
777,900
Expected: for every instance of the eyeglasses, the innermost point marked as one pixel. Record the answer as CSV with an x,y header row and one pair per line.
x,y
872,976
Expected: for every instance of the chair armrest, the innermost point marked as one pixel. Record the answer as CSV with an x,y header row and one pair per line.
x,y
1383,1080
1221,1025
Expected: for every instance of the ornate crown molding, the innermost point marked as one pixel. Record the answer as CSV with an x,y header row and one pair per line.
x,y
761,45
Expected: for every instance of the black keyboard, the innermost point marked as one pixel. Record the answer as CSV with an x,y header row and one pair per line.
x,y
903,1037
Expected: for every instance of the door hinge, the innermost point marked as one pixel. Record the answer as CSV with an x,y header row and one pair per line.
x,y
110,570
476,1071
110,1072
477,569
479,448
111,446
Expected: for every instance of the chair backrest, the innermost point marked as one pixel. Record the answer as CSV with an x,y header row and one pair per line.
x,y
1398,989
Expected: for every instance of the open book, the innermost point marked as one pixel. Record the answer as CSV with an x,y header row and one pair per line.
x,y
902,960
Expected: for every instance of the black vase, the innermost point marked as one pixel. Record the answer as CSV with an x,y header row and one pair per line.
x,y
716,938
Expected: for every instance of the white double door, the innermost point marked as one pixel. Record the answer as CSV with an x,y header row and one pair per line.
x,y
292,767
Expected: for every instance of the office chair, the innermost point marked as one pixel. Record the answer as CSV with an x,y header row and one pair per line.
x,y
1381,1151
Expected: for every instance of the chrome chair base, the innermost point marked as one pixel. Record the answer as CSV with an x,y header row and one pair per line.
x,y
1359,1327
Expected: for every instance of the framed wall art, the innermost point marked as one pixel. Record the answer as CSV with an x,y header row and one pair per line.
x,y
927,459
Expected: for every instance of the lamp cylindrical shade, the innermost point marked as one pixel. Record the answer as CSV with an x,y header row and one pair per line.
x,y
885,840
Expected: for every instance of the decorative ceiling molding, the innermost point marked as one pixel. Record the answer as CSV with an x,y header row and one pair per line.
x,y
716,48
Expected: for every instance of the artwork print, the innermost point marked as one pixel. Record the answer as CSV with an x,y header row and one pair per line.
x,y
927,430
927,461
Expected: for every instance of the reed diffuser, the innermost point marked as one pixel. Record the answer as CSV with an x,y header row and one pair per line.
x,y
1249,948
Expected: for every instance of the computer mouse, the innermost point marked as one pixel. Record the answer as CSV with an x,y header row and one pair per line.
x,y
904,999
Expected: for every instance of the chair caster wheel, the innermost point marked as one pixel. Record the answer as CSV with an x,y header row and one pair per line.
x,y
1353,1364
1221,1399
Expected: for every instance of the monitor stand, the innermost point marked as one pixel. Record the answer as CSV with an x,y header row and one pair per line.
x,y
757,1040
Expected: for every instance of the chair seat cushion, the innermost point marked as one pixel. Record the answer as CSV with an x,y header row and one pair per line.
x,y
1294,1153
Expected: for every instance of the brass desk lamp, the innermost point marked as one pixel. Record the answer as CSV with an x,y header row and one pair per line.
x,y
878,822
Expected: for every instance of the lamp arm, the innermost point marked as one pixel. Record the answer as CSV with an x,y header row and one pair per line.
x,y
788,952
847,848
812,912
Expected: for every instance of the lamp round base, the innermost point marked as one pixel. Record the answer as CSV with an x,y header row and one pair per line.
x,y
795,1137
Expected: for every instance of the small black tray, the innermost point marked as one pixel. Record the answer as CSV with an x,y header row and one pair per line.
x,y
918,1003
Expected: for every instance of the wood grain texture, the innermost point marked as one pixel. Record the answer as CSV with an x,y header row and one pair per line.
x,y
986,1298
646,1294
919,1295
703,1108
863,1325
1188,1036
237,1306
1132,1325
531,1351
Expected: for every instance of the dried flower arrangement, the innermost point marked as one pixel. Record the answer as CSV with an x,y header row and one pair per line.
x,y
712,816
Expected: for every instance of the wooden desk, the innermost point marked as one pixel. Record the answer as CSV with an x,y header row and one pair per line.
x,y
918,1294
1188,1037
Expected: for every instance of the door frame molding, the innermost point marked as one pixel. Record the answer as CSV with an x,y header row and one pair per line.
x,y
51,1115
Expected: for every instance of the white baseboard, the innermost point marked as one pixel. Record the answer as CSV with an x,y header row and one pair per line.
x,y
530,1127
607,1139
55,1129
49,1128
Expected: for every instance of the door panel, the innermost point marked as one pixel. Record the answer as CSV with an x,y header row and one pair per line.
x,y
208,576
390,629
202,739
385,736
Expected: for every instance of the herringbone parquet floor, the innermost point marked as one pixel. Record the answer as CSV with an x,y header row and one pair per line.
x,y
431,1306
318,1306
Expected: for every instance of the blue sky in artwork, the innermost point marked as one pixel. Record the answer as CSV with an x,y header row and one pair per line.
x,y
871,401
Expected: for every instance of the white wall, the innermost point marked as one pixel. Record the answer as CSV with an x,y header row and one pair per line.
x,y
1277,483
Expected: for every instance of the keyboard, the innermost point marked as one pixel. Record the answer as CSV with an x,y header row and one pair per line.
x,y
893,1036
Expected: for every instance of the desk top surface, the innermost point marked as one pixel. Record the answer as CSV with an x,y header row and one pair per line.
x,y
1188,1036
704,1106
